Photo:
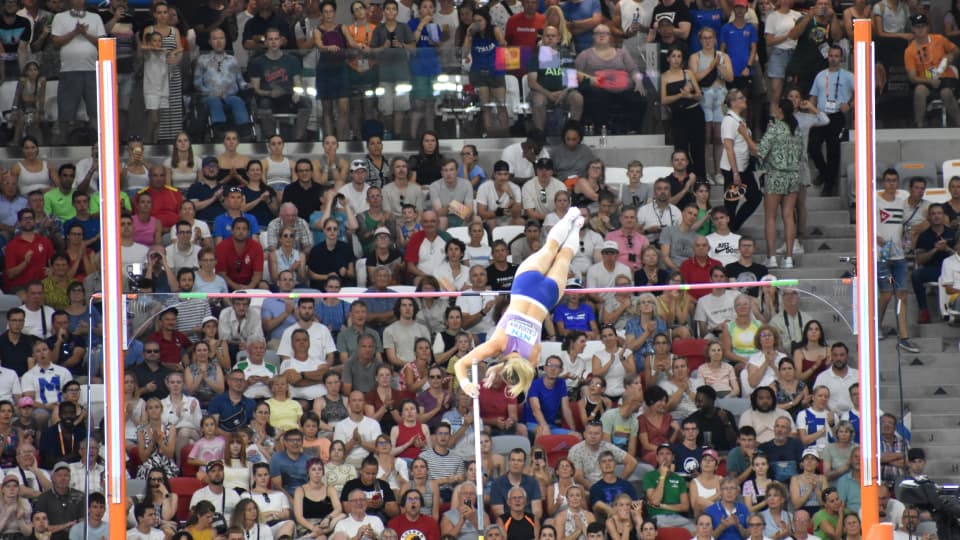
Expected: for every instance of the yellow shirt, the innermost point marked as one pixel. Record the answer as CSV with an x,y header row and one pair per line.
x,y
285,415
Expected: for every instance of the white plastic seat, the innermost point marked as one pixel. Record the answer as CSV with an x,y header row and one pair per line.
x,y
950,168
616,176
347,291
460,233
95,391
361,269
594,346
507,232
652,174
548,349
504,444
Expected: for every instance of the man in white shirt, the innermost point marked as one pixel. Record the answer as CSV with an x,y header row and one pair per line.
x,y
240,324
38,317
522,155
358,524
839,378
322,346
724,243
257,373
75,32
399,338
358,432
605,272
44,382
658,213
10,389
498,202
715,309
182,253
356,190
224,500
87,469
33,480
538,193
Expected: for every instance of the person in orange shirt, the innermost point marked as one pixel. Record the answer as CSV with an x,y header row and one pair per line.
x,y
929,60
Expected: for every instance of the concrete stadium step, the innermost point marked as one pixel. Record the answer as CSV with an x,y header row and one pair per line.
x,y
829,217
934,421
924,405
815,229
935,437
920,385
946,471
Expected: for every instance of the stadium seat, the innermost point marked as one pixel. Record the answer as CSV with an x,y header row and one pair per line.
x,y
673,533
187,469
592,347
460,233
347,291
95,393
652,174
516,108
136,488
503,444
556,446
912,169
404,288
507,233
615,176
950,168
184,487
693,350
361,270
548,349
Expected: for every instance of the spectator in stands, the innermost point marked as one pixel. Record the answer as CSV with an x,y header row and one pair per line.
x,y
207,193
289,468
287,218
500,272
681,389
390,39
619,425
539,193
57,202
716,308
502,486
400,336
933,247
256,28
451,197
836,104
745,268
425,250
659,213
233,205
716,426
332,87
522,156
927,75
666,491
331,257
223,500
480,46
524,246
274,76
572,157
724,244
587,454
425,66
607,487
216,15
604,273
63,505
548,82
411,521
304,193
739,333
401,191
523,30
147,229
783,451
355,190
166,199
838,379
547,402
763,364
582,17
66,432
151,373
28,254
498,202
813,32
231,409
75,33
217,77
763,414
629,239
908,525
699,267
240,259
11,202
677,241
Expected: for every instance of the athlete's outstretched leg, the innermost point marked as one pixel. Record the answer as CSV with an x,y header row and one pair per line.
x,y
542,259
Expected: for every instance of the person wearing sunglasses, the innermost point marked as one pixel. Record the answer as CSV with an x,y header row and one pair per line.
x,y
538,193
537,288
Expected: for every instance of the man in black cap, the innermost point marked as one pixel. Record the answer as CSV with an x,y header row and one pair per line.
x,y
63,505
929,60
498,202
666,491
207,193
538,192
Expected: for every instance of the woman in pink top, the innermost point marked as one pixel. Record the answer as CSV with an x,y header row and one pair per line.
x,y
147,229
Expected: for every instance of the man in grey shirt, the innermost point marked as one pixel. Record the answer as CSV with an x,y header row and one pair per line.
x,y
450,189
360,371
676,243
571,157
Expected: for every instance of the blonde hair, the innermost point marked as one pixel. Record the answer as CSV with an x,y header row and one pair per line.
x,y
518,373
566,37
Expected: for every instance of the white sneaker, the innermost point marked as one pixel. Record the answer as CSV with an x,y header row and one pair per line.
x,y
781,250
772,261
788,262
797,247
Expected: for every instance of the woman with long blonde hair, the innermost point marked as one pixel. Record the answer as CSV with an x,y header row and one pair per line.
x,y
554,17
537,288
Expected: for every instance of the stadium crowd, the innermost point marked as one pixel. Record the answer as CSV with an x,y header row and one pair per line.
x,y
726,413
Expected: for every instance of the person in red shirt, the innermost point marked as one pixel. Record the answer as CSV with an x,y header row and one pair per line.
x,y
523,30
498,410
28,254
166,199
410,524
240,258
696,269
172,343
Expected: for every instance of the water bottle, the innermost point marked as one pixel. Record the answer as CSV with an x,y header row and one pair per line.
x,y
603,136
588,130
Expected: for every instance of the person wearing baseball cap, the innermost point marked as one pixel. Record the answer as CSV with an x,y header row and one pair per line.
x,y
538,193
233,202
666,491
356,190
223,499
927,60
63,505
498,202
605,272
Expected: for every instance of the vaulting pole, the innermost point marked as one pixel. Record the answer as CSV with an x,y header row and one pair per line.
x,y
112,273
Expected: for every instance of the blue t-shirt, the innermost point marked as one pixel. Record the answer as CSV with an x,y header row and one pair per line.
x,y
483,52
425,62
223,226
334,317
501,486
91,228
574,319
550,400
272,308
575,11
784,460
686,461
703,18
233,416
293,474
717,513
604,492
738,42
832,90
